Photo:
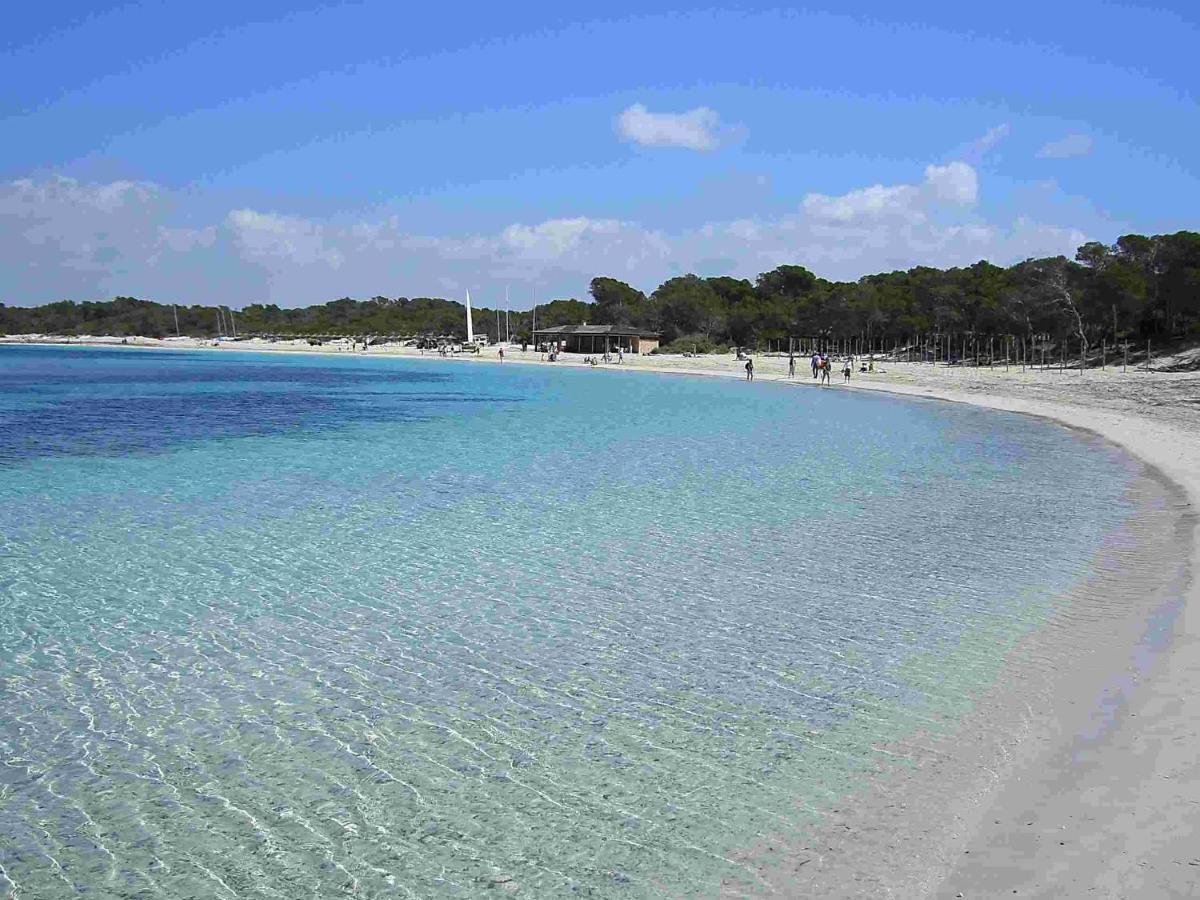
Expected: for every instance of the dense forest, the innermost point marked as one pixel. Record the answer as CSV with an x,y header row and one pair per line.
x,y
1140,287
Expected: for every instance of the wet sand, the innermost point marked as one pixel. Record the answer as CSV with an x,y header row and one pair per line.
x,y
1078,773
1085,754
1030,791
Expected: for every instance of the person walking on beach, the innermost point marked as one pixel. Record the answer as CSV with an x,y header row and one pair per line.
x,y
791,365
847,368
824,367
749,370
816,363
501,354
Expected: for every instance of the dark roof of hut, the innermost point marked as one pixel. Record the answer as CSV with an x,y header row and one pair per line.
x,y
599,330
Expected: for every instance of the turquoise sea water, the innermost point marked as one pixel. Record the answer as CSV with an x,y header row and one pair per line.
x,y
281,626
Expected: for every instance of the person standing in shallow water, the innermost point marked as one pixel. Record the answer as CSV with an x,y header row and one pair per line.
x,y
824,366
749,370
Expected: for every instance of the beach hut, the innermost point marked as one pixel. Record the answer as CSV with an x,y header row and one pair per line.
x,y
598,338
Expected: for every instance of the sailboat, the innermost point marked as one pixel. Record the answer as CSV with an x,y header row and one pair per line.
x,y
470,327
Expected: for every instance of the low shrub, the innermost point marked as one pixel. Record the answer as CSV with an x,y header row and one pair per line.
x,y
693,343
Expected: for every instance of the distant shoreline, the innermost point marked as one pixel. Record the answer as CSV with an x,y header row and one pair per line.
x,y
1152,417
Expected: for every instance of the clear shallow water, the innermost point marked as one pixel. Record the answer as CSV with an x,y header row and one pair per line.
x,y
296,626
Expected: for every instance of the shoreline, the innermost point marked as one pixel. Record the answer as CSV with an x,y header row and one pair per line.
x,y
1082,807
995,803
1147,749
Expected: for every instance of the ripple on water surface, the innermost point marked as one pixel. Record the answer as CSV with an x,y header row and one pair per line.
x,y
289,627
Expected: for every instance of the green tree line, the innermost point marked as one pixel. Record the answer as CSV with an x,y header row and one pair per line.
x,y
1138,287
129,316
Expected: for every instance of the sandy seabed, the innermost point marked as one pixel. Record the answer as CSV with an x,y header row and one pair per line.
x,y
1078,773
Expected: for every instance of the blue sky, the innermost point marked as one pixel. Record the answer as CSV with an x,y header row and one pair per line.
x,y
295,153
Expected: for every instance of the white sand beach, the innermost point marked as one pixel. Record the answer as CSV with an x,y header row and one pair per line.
x,y
1111,811
1097,792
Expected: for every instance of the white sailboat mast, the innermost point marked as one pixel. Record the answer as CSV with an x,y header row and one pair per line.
x,y
470,327
507,330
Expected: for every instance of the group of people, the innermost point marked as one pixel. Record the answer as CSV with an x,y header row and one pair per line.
x,y
822,367
607,358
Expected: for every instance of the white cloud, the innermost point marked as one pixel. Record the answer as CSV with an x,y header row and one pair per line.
x,y
80,227
181,240
990,139
953,183
556,236
60,238
876,201
296,241
1065,148
63,238
695,129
